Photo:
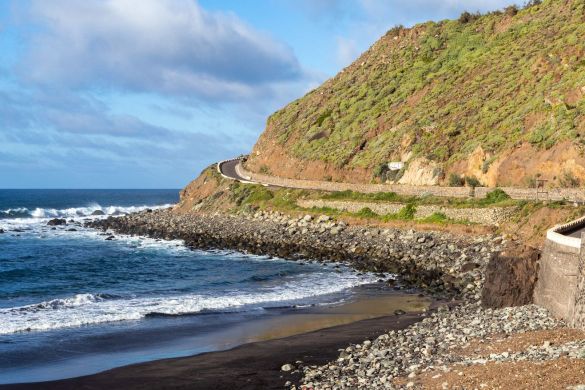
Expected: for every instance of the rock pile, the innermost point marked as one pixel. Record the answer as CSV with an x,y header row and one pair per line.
x,y
438,262
428,345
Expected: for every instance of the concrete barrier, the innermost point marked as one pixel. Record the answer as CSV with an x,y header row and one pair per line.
x,y
561,275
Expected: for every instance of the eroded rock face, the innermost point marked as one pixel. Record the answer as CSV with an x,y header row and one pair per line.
x,y
510,278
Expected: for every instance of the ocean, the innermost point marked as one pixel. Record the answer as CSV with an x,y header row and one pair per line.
x,y
74,303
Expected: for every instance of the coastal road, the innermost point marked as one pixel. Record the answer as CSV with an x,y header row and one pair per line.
x,y
228,169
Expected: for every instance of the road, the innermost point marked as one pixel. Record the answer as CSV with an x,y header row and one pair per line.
x,y
228,169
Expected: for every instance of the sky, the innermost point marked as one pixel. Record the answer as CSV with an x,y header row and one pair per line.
x,y
147,93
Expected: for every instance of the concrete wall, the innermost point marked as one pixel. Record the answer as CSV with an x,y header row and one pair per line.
x,y
573,194
561,275
557,279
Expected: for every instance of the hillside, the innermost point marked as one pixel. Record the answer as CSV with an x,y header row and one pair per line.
x,y
498,97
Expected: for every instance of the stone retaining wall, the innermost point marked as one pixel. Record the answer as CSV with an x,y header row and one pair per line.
x,y
572,194
484,216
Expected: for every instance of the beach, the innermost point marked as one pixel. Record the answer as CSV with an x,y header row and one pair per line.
x,y
311,335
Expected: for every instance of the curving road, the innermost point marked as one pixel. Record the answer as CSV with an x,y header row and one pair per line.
x,y
228,169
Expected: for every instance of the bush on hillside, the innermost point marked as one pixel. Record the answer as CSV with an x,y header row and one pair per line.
x,y
497,195
472,181
407,212
455,180
467,17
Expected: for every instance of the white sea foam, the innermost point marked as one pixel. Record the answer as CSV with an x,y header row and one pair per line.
x,y
87,309
73,212
36,219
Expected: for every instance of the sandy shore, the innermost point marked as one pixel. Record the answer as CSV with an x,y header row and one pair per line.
x,y
250,366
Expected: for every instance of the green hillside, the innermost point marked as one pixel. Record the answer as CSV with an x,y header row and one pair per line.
x,y
440,90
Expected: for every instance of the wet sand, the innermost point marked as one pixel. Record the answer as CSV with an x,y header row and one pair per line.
x,y
312,335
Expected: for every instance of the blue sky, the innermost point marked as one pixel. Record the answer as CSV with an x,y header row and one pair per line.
x,y
146,93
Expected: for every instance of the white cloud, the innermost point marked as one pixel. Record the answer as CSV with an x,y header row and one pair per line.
x,y
164,46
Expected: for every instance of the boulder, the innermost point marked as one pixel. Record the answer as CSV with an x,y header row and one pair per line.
x,y
98,212
510,278
56,222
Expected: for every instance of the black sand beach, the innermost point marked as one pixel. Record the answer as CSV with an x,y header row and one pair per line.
x,y
250,366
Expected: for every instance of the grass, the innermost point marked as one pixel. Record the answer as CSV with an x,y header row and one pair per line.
x,y
250,197
494,198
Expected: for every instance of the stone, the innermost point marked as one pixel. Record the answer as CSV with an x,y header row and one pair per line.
x,y
510,278
98,212
57,222
287,367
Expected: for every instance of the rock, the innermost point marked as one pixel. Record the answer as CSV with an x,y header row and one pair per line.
x,y
110,238
57,222
469,266
510,278
1,231
98,212
72,230
399,312
287,367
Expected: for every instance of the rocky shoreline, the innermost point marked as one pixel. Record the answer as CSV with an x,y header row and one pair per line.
x,y
439,263
429,350
462,346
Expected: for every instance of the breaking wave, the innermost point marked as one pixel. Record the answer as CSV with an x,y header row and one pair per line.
x,y
87,309
73,212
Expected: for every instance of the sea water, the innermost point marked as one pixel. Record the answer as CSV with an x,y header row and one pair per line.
x,y
74,303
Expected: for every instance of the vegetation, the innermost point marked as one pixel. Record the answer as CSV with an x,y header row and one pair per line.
x,y
440,90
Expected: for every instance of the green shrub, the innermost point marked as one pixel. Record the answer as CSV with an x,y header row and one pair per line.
x,y
407,212
435,218
258,194
472,181
496,196
385,196
322,118
467,17
366,212
455,180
